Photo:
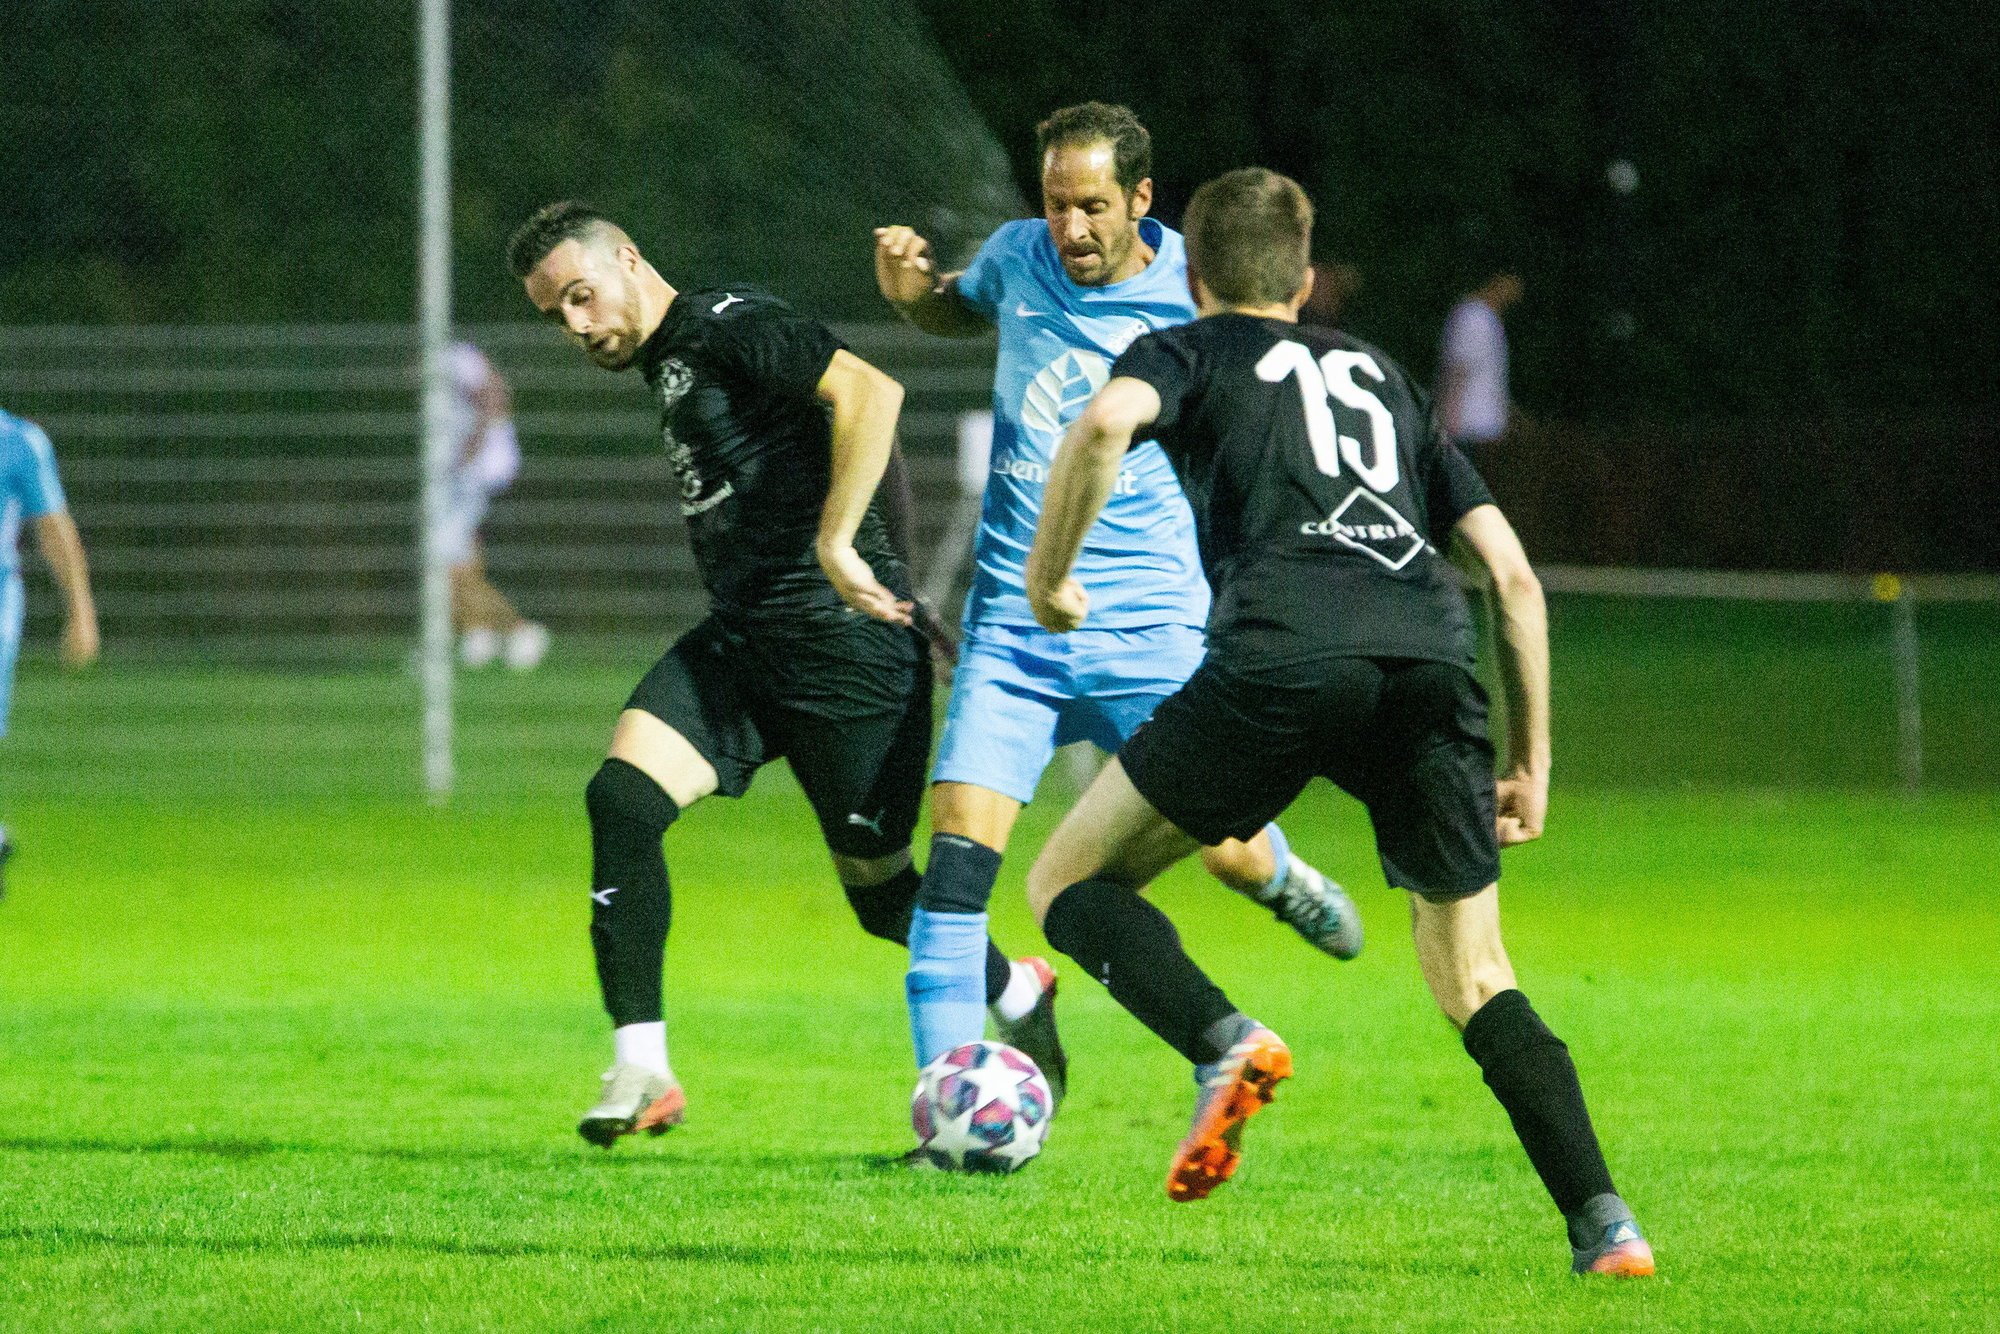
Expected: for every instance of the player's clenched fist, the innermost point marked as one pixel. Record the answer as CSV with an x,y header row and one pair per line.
x,y
1061,609
851,576
1522,799
903,268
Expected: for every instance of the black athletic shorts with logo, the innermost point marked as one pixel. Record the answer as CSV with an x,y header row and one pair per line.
x,y
847,703
1223,756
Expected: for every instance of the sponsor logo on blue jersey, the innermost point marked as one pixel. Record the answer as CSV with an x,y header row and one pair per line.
x,y
1057,342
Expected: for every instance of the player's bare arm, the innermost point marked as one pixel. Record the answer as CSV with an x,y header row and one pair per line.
x,y
907,274
62,547
1524,671
865,405
492,402
1080,482
899,511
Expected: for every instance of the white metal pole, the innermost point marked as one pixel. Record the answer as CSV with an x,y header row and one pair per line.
x,y
1909,693
434,326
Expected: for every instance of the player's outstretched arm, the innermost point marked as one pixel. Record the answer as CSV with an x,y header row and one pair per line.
x,y
1524,671
62,547
865,405
1080,481
907,276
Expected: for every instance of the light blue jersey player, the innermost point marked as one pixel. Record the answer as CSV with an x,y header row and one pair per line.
x,y
1067,295
30,490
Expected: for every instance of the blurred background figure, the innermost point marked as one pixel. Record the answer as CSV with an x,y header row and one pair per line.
x,y
30,489
1334,287
974,455
488,457
1471,388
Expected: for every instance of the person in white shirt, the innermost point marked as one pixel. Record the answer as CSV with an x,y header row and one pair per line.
x,y
1473,405
484,463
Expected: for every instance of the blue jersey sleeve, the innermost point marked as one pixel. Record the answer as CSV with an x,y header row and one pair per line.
x,y
34,477
983,285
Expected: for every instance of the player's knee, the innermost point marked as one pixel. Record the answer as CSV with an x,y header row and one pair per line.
x,y
959,876
621,795
970,811
1466,993
882,891
1046,884
870,871
1040,899
1065,860
1459,948
1489,977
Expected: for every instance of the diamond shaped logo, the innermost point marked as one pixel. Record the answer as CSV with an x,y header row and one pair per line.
x,y
1369,524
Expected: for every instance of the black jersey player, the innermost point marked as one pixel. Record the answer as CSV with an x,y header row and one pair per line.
x,y
779,437
1339,646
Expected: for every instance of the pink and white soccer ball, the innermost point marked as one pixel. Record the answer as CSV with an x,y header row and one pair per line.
x,y
983,1107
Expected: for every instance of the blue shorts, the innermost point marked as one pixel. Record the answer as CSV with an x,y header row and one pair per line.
x,y
1021,691
13,603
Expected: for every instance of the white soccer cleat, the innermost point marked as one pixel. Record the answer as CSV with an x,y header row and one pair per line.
x,y
633,1099
527,645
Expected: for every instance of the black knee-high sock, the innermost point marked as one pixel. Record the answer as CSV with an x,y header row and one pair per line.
x,y
630,905
1129,945
1530,1072
884,910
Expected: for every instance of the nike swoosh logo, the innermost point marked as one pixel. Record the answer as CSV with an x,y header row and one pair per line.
x,y
1021,312
603,896
727,301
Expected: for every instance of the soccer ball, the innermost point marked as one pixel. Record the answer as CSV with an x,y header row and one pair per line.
x,y
983,1107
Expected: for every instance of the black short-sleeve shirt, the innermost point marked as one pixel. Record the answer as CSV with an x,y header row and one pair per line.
x,y
735,374
1322,491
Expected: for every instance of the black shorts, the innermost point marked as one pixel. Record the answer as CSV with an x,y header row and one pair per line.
x,y
848,706
1223,756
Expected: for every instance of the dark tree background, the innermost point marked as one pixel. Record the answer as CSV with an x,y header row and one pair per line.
x,y
1812,232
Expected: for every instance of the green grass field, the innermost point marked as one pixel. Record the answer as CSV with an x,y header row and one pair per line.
x,y
280,1048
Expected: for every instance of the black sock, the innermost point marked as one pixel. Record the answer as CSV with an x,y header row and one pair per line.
x,y
630,905
1530,1072
1129,945
884,911
998,971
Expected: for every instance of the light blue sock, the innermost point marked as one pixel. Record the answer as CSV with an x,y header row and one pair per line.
x,y
947,981
1281,852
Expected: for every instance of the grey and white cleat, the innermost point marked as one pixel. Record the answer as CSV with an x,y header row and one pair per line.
x,y
1315,906
633,1099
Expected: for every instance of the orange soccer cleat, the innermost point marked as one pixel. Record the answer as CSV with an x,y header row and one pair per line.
x,y
1622,1253
1231,1091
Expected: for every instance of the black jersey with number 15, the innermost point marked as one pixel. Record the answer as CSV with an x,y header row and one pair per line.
x,y
735,375
1321,491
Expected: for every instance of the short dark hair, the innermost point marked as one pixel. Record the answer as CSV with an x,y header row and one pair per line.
x,y
1094,122
1249,236
548,227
